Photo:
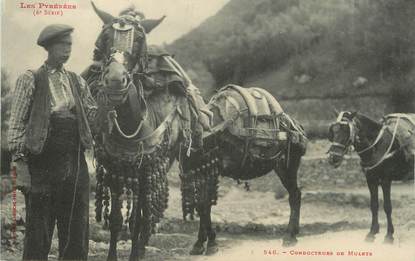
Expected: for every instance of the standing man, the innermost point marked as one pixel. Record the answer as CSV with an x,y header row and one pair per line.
x,y
47,136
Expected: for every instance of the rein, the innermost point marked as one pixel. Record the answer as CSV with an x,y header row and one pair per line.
x,y
112,116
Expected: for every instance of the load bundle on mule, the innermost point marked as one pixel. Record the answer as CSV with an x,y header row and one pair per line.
x,y
254,129
404,123
165,72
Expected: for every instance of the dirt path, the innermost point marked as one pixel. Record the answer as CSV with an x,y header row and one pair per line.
x,y
250,224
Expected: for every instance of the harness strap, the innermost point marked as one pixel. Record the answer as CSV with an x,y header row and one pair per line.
x,y
294,125
375,142
179,70
387,154
155,137
250,102
401,115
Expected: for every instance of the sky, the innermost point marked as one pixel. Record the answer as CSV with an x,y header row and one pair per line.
x,y
21,26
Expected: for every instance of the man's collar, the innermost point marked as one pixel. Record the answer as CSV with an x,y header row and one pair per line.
x,y
56,69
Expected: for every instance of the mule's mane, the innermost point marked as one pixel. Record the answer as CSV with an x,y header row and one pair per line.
x,y
367,125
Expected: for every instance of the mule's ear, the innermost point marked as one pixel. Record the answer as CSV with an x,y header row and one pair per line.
x,y
105,17
335,112
150,24
353,114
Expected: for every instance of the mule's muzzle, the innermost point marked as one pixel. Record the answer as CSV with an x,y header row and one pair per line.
x,y
116,83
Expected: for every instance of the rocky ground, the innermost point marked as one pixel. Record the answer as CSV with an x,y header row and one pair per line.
x,y
250,224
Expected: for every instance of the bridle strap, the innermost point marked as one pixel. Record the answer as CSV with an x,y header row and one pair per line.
x,y
339,145
134,99
350,140
336,144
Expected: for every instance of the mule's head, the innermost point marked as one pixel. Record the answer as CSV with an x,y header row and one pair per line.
x,y
122,50
116,79
342,134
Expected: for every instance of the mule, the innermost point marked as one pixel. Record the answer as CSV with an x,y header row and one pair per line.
x,y
382,158
250,136
138,132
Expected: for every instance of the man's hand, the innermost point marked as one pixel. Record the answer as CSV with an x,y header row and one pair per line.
x,y
23,179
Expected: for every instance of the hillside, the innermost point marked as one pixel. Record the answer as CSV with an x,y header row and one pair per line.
x,y
311,54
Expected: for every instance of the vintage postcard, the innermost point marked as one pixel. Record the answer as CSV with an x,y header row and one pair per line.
x,y
207,130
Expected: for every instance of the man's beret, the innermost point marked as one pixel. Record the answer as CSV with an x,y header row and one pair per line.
x,y
53,32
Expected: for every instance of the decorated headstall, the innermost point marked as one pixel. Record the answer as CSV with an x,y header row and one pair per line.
x,y
121,60
343,124
123,37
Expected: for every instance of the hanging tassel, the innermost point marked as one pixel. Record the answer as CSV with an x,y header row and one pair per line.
x,y
99,193
190,146
166,183
128,194
106,207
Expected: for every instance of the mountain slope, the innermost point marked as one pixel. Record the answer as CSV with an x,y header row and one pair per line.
x,y
356,55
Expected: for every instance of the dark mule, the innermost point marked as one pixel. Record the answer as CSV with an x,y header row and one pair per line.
x,y
250,137
138,134
382,156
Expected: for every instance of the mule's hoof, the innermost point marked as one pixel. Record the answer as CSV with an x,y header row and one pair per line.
x,y
212,248
112,258
141,252
370,238
134,258
197,250
289,241
388,240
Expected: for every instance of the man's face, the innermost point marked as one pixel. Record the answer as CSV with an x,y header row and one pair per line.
x,y
60,50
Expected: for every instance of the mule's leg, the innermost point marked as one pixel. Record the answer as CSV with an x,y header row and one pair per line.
x,y
373,184
135,231
212,246
115,224
288,176
387,206
198,247
145,229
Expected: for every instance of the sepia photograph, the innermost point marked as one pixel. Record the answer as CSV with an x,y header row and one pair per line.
x,y
207,130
